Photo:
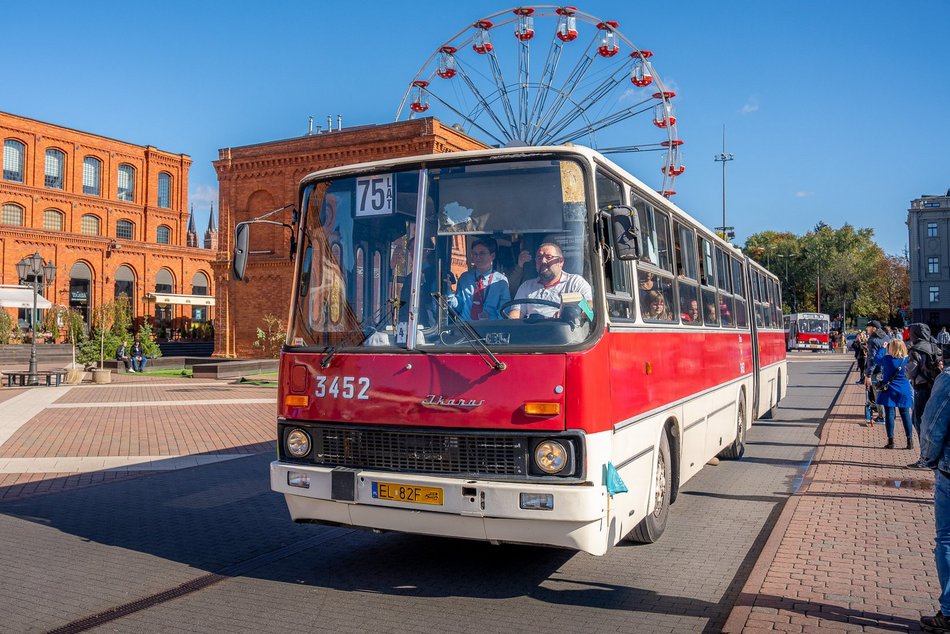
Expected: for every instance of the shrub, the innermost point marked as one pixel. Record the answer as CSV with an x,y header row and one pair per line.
x,y
147,339
271,337
6,326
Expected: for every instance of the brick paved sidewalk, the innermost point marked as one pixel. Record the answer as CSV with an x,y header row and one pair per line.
x,y
853,549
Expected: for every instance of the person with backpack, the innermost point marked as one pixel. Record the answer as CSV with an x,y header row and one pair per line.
x,y
924,367
877,349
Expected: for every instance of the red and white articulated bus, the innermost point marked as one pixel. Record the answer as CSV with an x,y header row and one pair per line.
x,y
635,346
808,331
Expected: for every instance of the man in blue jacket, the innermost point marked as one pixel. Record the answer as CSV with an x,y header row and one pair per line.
x,y
935,453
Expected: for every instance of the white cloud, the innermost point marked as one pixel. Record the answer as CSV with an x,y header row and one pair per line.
x,y
202,197
751,105
804,194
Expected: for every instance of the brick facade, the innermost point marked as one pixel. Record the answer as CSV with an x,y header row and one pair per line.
x,y
255,179
105,253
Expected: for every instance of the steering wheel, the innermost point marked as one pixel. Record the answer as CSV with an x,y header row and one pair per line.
x,y
541,302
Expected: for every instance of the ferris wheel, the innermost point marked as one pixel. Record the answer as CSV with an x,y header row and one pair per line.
x,y
481,81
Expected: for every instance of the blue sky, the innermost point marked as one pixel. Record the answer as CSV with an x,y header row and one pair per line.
x,y
835,111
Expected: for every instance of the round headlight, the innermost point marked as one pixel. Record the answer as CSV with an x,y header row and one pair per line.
x,y
298,443
551,456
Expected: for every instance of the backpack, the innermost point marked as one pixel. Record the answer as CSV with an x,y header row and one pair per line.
x,y
927,367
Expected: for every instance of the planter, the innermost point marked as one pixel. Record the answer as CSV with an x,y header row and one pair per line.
x,y
101,375
74,376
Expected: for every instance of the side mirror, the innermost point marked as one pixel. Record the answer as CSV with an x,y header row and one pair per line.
x,y
625,232
239,257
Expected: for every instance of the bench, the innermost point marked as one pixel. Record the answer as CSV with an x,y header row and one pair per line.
x,y
47,378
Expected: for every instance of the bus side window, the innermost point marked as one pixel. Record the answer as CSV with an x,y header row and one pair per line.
x,y
707,277
738,285
687,275
656,297
618,276
726,302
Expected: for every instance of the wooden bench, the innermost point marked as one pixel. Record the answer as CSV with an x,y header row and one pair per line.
x,y
47,378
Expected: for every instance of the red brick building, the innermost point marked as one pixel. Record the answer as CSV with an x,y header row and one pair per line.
x,y
111,215
255,179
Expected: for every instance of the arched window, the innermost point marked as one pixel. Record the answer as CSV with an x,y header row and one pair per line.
x,y
80,287
163,235
126,183
125,284
164,190
124,230
12,215
164,283
199,286
89,225
13,152
91,176
53,220
54,169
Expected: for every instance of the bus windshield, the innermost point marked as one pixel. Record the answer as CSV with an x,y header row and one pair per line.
x,y
813,326
478,254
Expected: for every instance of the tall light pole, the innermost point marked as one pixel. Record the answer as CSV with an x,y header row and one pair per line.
x,y
35,265
787,257
724,158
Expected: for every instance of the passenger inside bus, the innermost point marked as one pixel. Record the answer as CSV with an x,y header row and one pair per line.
x,y
657,309
482,290
541,296
691,314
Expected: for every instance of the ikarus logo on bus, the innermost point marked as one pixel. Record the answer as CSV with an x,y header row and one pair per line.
x,y
437,400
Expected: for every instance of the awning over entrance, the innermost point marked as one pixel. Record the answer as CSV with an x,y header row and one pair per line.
x,y
175,298
21,297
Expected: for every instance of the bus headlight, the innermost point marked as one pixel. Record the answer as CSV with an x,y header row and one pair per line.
x,y
551,456
298,443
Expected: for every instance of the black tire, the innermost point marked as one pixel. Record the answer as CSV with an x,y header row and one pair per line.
x,y
652,527
737,448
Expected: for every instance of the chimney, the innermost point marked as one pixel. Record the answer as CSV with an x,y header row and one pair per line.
x,y
310,129
329,123
339,122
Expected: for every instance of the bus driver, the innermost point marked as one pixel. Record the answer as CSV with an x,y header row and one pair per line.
x,y
551,282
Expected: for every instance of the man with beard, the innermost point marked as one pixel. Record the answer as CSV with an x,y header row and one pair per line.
x,y
551,283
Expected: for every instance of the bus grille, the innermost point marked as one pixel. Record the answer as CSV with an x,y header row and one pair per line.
x,y
429,452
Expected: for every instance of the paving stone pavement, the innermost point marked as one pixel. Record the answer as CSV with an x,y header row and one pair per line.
x,y
853,549
73,553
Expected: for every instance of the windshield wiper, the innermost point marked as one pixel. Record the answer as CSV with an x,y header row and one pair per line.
x,y
331,350
471,335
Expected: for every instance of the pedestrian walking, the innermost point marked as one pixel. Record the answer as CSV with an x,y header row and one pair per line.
x,y
923,368
943,337
894,392
860,348
935,451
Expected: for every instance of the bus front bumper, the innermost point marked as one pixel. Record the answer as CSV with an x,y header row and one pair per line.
x,y
566,515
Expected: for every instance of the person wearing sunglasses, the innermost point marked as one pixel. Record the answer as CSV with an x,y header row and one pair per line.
x,y
551,283
482,290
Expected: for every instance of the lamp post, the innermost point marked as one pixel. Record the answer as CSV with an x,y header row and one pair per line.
x,y
724,158
35,265
786,257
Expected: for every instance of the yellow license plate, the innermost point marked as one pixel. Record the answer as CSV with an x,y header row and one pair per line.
x,y
407,493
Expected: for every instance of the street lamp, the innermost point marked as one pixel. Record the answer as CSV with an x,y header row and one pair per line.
x,y
724,158
35,265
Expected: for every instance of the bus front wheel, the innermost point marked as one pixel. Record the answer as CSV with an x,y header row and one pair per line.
x,y
737,448
652,526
